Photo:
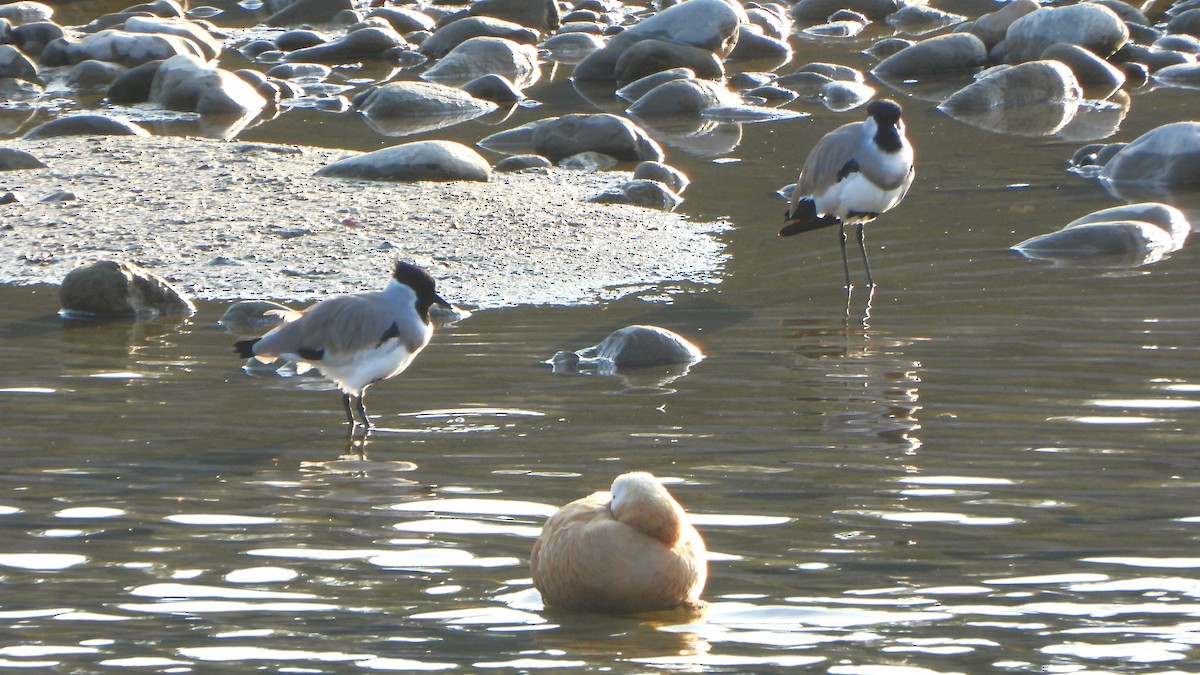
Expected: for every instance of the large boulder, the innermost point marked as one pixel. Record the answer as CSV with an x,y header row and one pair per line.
x,y
992,27
561,137
118,289
711,25
1037,98
688,97
26,11
187,84
1161,215
652,56
14,64
399,108
481,56
130,49
419,161
370,42
1164,156
208,45
537,14
455,33
1089,25
1134,242
955,52
308,11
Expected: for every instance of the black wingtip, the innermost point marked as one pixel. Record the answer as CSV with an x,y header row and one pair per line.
x,y
245,348
804,218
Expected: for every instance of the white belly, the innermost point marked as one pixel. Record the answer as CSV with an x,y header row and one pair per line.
x,y
856,194
353,371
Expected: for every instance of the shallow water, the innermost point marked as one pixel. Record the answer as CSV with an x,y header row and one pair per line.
x,y
987,465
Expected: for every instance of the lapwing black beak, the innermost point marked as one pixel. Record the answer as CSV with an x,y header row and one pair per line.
x,y
441,301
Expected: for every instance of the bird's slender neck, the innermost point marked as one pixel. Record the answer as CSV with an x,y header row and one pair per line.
x,y
887,137
405,293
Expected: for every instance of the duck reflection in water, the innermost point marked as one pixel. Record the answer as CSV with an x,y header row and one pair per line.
x,y
625,551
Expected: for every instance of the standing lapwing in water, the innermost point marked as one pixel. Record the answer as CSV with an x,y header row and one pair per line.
x,y
853,174
357,340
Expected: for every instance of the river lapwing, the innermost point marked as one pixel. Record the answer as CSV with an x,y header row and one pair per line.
x,y
853,174
357,340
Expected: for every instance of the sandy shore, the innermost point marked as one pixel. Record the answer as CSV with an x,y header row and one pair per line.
x,y
235,220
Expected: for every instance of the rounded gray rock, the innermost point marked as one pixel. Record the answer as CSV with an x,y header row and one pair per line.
x,y
481,56
564,136
651,56
12,159
640,192
1099,78
1088,25
663,173
92,75
681,98
118,289
371,42
808,11
711,25
1164,156
453,34
418,161
641,346
951,53
85,125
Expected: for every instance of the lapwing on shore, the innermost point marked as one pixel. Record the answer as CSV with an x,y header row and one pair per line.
x,y
357,340
853,174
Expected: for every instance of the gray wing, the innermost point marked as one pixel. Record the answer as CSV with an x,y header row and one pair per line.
x,y
826,161
340,324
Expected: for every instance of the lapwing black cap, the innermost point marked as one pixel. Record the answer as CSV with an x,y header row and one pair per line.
x,y
422,284
885,111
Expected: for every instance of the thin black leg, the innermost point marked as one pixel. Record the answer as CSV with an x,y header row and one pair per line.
x,y
862,247
349,411
845,265
362,411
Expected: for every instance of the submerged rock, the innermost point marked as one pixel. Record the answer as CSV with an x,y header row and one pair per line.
x,y
119,289
1132,234
188,84
560,137
1165,156
481,56
634,346
251,315
936,56
1089,25
711,25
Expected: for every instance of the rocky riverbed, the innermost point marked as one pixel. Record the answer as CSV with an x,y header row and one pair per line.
x,y
228,220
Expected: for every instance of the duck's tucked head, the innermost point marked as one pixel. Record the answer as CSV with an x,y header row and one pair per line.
x,y
640,501
422,284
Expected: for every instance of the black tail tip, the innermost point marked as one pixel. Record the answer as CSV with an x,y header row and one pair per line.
x,y
245,348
